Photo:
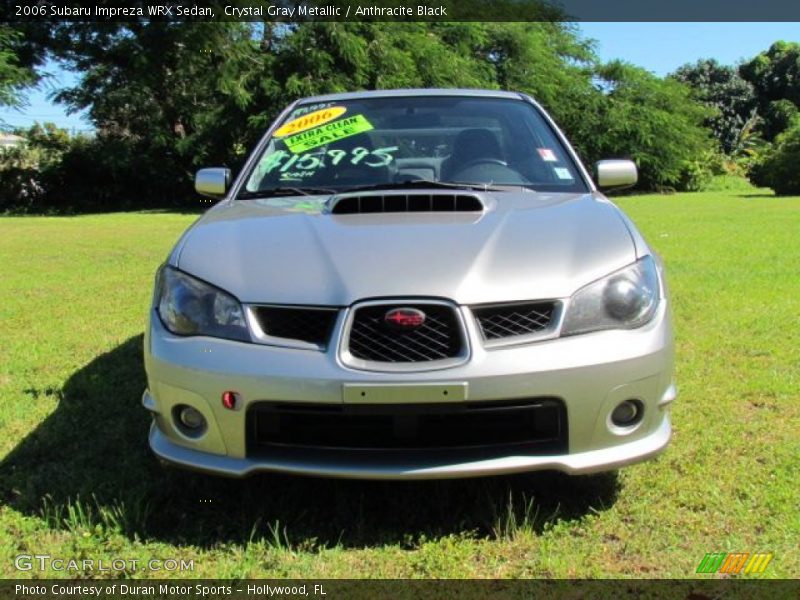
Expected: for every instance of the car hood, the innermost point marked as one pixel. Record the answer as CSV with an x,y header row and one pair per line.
x,y
292,251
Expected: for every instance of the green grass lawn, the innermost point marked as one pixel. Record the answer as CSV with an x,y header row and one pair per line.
x,y
77,479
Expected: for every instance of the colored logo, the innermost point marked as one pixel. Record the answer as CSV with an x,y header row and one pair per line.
x,y
404,318
734,562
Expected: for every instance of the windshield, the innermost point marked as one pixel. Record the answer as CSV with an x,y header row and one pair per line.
x,y
351,144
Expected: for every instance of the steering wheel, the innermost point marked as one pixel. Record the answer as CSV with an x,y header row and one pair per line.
x,y
482,161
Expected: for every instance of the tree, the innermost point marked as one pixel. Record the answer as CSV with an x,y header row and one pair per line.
x,y
334,57
721,88
653,121
553,64
605,110
168,96
775,75
14,75
778,116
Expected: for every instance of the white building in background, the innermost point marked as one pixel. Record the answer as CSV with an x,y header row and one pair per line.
x,y
9,140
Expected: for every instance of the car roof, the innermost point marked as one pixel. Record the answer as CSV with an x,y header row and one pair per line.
x,y
474,93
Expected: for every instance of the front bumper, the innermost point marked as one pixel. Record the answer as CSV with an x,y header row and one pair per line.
x,y
355,466
590,373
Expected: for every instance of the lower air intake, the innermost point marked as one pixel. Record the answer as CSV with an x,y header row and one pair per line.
x,y
533,425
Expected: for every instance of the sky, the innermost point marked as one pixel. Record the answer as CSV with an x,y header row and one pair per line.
x,y
658,47
663,47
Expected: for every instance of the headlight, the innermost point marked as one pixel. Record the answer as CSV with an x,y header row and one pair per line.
x,y
626,299
188,306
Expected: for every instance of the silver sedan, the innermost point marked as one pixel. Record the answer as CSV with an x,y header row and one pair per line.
x,y
410,284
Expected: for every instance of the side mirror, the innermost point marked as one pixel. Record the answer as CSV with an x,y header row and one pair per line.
x,y
212,182
616,173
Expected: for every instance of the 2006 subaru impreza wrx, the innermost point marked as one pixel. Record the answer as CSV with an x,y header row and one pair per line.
x,y
410,284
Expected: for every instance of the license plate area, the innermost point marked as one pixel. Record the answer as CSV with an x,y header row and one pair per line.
x,y
403,393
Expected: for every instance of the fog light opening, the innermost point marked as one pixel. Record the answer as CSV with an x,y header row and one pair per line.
x,y
627,413
231,400
189,420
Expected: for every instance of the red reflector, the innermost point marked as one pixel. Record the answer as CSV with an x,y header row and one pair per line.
x,y
229,400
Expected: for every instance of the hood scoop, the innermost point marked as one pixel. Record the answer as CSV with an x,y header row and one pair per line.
x,y
405,203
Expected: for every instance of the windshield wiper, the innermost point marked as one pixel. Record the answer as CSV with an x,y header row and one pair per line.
x,y
428,183
285,191
411,183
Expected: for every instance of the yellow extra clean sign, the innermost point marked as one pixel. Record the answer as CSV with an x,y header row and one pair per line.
x,y
328,133
318,117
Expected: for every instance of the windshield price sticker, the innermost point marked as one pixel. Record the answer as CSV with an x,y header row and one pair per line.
x,y
328,133
379,157
562,173
312,119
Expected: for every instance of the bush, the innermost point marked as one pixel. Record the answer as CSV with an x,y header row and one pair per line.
x,y
23,167
777,167
108,173
697,174
53,172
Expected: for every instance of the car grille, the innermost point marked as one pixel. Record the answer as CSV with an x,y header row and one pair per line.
x,y
312,325
394,203
536,424
438,338
508,320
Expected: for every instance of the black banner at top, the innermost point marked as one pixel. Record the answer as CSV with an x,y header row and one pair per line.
x,y
404,10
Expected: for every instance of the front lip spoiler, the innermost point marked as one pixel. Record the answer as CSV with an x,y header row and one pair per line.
x,y
317,464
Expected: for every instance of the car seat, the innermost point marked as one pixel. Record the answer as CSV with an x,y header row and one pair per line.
x,y
470,145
